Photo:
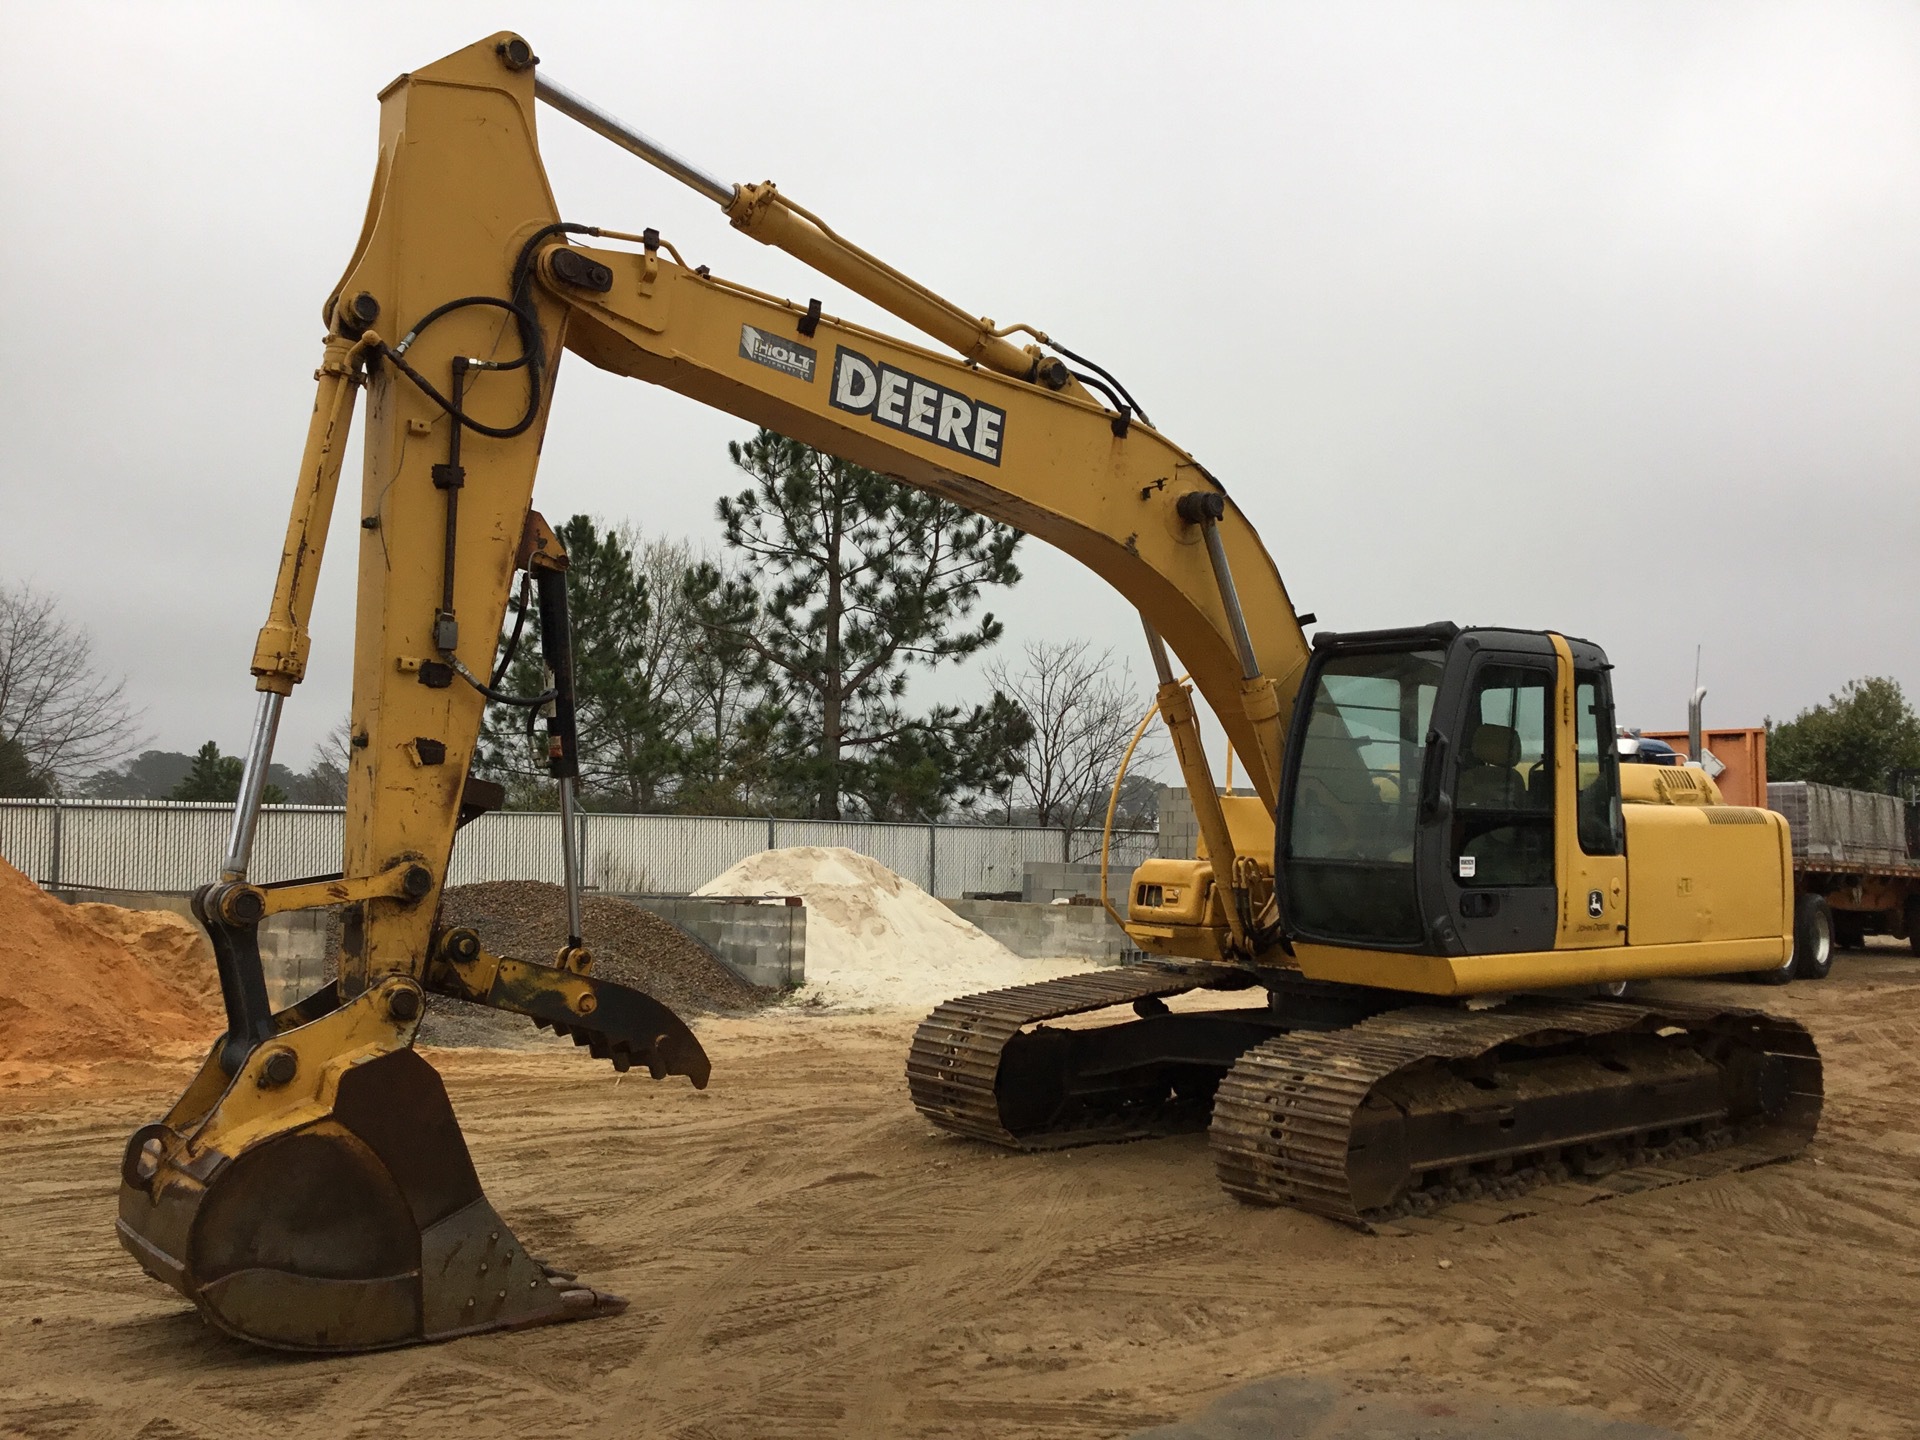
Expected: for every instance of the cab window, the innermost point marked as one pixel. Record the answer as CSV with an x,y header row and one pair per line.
x,y
1601,829
1354,810
1503,789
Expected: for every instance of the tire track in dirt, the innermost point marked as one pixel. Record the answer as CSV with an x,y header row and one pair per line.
x,y
1713,1399
806,1260
753,1293
861,1331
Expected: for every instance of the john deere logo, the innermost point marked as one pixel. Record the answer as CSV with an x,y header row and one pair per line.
x,y
900,401
1596,904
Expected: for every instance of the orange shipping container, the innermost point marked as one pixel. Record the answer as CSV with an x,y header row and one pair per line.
x,y
1743,752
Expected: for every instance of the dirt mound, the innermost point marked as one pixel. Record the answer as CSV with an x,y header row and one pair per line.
x,y
73,994
527,919
170,944
876,940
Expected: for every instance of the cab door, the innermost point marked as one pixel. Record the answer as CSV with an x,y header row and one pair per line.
x,y
1590,844
1495,842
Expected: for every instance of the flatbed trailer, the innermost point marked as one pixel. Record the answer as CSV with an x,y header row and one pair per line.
x,y
1863,899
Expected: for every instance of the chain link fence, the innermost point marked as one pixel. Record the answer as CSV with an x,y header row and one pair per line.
x,y
178,846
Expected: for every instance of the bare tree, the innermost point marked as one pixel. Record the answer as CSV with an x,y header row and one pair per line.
x,y
324,781
64,717
670,635
1084,711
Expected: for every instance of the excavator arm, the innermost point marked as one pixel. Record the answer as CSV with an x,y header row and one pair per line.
x,y
311,1190
464,263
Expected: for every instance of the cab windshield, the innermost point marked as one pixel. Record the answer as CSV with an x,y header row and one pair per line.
x,y
1355,798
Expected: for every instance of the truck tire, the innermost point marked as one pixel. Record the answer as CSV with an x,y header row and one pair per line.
x,y
1812,938
1849,930
1912,913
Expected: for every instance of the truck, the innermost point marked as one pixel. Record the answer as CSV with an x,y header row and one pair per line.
x,y
1856,853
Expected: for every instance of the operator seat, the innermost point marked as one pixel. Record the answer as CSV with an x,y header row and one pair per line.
x,y
1489,781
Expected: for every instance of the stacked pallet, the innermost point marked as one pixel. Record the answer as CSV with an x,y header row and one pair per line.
x,y
1852,827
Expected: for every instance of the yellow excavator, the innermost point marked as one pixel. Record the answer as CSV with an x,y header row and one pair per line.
x,y
1440,862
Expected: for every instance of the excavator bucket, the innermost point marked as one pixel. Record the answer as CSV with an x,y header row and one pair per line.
x,y
321,1198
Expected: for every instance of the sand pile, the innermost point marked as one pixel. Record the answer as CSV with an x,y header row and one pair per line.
x,y
73,994
877,941
170,944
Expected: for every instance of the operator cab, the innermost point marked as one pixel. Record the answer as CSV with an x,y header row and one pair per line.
x,y
1423,805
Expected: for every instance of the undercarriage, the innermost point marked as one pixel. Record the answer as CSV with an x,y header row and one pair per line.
x,y
1369,1106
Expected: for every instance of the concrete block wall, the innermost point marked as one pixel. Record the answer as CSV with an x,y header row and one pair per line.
x,y
1179,830
763,943
1179,827
1044,881
1050,932
293,952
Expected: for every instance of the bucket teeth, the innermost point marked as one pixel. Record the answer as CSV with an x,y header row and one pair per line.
x,y
618,1051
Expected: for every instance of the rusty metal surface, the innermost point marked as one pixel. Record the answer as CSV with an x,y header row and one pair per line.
x,y
1292,1123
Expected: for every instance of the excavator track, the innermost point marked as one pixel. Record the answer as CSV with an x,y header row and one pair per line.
x,y
1427,1110
956,1070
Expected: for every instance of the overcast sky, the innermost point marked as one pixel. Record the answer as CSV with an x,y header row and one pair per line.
x,y
1598,318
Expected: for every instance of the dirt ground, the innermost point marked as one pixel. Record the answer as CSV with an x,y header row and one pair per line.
x,y
807,1258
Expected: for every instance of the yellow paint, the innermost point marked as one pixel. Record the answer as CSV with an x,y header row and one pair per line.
x,y
1537,969
277,899
458,190
244,1111
1579,874
1707,873
1175,703
1250,826
1667,785
1185,888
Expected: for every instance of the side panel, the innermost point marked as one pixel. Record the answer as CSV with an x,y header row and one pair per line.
x,y
1250,823
1706,873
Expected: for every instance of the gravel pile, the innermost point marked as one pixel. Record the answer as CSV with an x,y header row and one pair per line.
x,y
527,920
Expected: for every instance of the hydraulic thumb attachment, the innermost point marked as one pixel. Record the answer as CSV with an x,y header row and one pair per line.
x,y
614,1023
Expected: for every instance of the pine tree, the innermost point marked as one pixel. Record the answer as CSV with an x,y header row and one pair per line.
x,y
858,579
1858,739
18,777
629,755
217,777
